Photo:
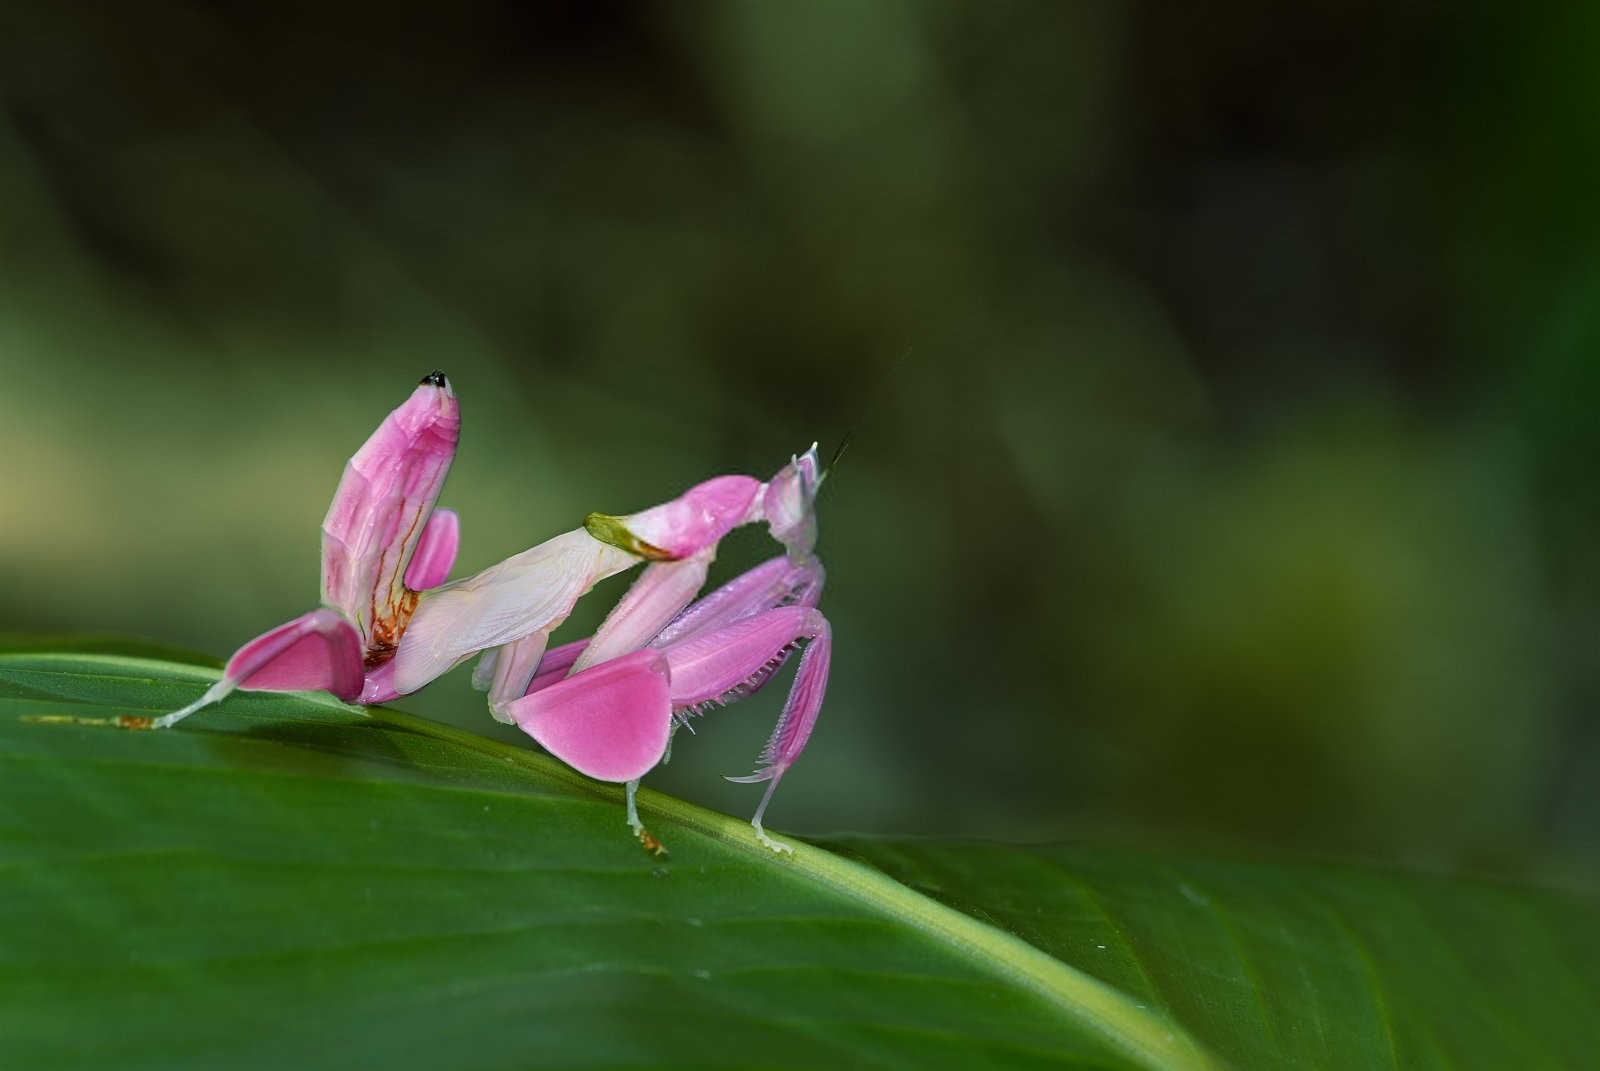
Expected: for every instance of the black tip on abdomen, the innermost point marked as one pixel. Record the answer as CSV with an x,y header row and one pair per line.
x,y
436,378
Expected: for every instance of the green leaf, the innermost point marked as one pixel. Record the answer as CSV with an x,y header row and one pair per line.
x,y
1295,965
287,881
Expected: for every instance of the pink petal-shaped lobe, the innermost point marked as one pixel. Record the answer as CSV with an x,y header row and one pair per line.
x,y
610,722
436,551
378,514
319,650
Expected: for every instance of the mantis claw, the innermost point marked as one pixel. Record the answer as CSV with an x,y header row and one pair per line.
x,y
216,693
771,776
776,845
646,838
634,824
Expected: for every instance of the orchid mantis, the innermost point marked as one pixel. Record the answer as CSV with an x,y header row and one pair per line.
x,y
607,705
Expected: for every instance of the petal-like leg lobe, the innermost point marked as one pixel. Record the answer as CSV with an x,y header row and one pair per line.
x,y
319,650
610,722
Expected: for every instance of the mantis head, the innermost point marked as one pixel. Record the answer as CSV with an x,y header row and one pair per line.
x,y
789,504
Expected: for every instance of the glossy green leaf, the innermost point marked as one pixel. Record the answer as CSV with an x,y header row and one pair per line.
x,y
286,881
1286,966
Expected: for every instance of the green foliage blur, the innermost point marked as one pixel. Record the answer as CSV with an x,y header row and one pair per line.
x,y
1222,380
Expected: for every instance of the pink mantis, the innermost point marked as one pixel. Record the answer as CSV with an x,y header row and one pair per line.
x,y
607,705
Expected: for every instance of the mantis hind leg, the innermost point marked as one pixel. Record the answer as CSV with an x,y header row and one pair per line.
x,y
319,650
648,839
633,808
727,664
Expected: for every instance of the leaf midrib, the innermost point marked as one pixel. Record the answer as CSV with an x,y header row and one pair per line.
x,y
1136,1032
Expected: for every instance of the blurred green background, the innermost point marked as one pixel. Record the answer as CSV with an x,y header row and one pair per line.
x,y
1222,380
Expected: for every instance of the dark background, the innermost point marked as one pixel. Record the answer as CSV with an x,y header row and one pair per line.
x,y
1222,380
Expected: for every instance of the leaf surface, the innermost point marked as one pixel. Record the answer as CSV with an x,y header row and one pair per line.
x,y
290,881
